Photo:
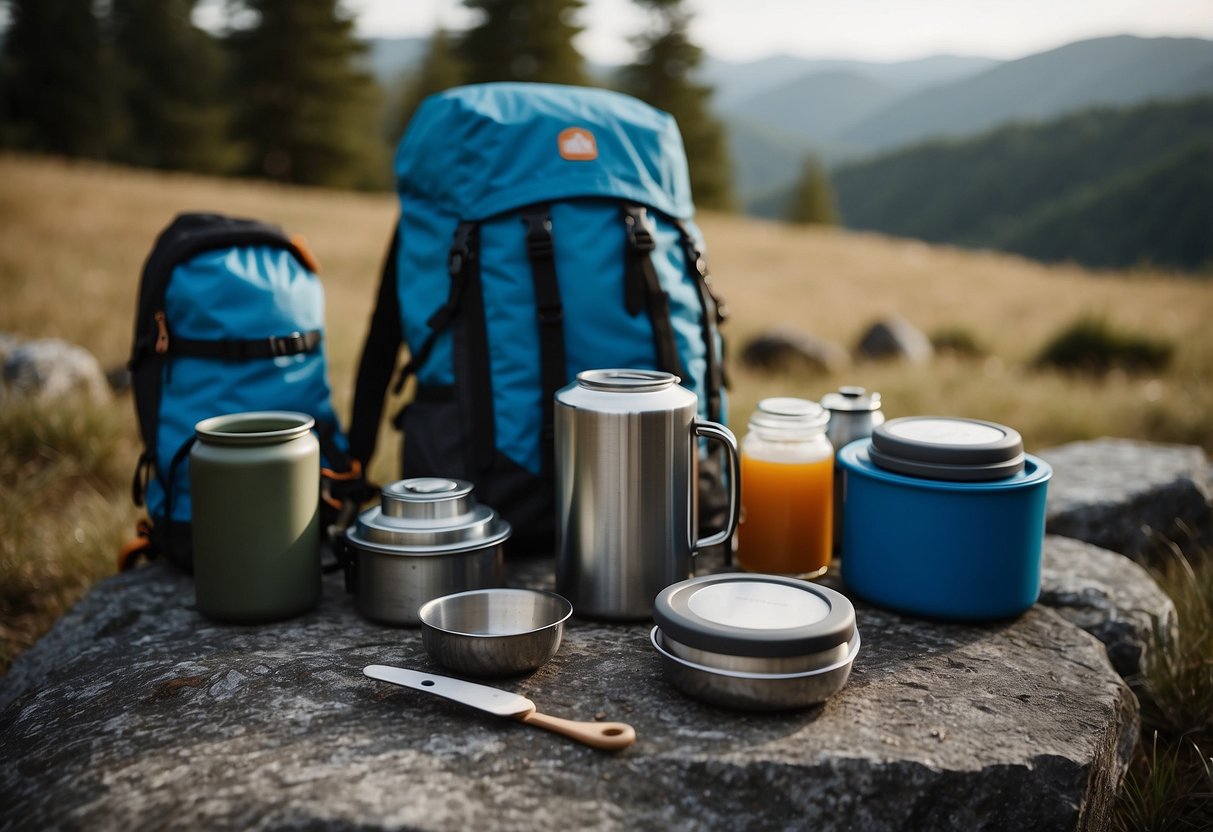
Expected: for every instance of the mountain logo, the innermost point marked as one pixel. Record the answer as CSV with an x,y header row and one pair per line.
x,y
577,144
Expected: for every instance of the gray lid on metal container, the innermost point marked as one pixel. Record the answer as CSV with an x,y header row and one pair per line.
x,y
849,399
754,615
947,448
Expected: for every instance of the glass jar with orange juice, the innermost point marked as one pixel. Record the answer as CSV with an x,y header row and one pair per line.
x,y
787,490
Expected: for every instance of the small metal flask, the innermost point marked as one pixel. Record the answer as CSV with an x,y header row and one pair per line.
x,y
854,414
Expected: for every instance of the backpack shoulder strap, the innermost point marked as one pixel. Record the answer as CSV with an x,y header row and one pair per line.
x,y
378,361
549,313
642,288
714,314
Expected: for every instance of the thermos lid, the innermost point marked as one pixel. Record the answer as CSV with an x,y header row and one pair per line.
x,y
850,399
427,515
766,616
947,448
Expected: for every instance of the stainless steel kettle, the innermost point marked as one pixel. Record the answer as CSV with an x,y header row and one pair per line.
x,y
627,461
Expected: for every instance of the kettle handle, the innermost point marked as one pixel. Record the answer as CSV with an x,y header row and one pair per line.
x,y
718,432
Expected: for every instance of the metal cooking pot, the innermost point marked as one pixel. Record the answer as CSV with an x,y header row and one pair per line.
x,y
427,538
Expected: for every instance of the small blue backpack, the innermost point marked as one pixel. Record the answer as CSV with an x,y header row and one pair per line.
x,y
544,230
230,318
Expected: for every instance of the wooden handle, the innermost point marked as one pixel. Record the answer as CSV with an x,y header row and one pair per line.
x,y
609,736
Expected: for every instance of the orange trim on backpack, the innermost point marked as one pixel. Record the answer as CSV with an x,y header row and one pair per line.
x,y
305,252
354,473
129,553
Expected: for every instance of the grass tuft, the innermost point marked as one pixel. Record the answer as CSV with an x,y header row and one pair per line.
x,y
1171,787
64,509
1092,345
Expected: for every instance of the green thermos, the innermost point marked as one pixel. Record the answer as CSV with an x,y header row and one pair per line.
x,y
255,489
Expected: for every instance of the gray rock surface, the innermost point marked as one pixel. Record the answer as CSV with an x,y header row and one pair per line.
x,y
137,712
49,368
786,348
1129,496
894,338
1107,595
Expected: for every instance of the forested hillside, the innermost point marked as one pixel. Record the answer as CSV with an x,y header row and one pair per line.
x,y
1103,187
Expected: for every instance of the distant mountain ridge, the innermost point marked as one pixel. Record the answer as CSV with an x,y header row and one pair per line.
x,y
1105,187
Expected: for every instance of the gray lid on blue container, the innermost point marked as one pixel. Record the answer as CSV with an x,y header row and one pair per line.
x,y
947,448
764,616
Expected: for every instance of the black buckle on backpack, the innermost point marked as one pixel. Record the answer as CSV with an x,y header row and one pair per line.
x,y
538,236
640,238
292,344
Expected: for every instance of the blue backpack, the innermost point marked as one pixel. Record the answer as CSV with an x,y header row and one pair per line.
x,y
544,230
230,318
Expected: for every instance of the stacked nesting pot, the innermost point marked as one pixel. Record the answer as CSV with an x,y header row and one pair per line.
x,y
755,642
427,538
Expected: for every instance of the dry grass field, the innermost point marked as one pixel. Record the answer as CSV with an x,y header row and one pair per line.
x,y
73,237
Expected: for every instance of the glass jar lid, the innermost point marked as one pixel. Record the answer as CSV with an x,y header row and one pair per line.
x,y
791,416
947,448
741,614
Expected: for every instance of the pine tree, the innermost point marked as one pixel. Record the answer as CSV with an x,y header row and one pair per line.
x,y
439,71
307,111
813,201
170,79
523,40
56,68
661,76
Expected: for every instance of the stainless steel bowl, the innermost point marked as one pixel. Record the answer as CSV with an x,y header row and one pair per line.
x,y
494,632
755,664
755,691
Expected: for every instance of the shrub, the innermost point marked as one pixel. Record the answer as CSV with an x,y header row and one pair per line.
x,y
959,342
1092,345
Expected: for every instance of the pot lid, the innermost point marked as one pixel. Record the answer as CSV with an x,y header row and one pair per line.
x,y
947,448
850,399
742,614
427,515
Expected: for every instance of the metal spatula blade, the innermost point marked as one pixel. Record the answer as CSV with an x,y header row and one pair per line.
x,y
605,735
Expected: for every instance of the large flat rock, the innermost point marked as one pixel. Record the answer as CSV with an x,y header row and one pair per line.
x,y
137,712
1129,496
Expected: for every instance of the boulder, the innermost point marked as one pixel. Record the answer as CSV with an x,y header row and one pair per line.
x,y
786,349
1107,595
894,338
49,368
134,711
1131,497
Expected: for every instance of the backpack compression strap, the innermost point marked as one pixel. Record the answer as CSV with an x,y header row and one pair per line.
x,y
642,289
714,314
242,349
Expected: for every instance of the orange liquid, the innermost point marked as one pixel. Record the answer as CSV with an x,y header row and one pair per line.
x,y
787,516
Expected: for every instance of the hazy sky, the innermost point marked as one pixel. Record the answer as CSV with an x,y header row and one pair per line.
x,y
868,29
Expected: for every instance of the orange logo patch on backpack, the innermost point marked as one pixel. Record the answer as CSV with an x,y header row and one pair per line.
x,y
577,144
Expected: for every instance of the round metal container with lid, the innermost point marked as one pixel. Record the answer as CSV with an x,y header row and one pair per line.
x,y
428,537
756,642
944,517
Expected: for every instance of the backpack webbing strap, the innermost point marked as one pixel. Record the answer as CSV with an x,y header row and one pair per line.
x,y
167,485
378,361
549,312
459,264
242,349
714,314
642,284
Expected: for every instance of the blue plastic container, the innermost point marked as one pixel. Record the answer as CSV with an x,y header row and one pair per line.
x,y
968,550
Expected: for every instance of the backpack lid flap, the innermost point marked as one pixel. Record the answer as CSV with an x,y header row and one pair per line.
x,y
483,149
